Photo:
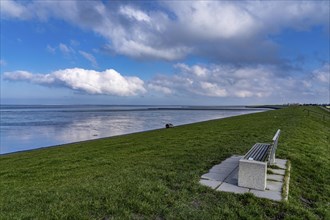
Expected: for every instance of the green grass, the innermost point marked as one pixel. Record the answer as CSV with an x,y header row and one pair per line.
x,y
155,175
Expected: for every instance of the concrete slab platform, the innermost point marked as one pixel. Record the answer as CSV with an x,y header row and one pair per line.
x,y
274,186
217,176
277,171
214,176
232,177
221,171
234,160
224,177
227,170
226,187
275,177
281,163
273,195
210,183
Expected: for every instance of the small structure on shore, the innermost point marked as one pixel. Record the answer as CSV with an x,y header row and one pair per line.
x,y
169,125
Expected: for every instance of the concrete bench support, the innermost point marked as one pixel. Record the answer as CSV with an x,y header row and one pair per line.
x,y
252,174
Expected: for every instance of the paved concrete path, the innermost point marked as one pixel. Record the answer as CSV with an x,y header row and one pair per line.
x,y
224,177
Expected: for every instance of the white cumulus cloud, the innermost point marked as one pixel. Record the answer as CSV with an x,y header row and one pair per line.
x,y
173,30
159,88
108,82
250,82
133,13
218,81
323,74
213,19
12,9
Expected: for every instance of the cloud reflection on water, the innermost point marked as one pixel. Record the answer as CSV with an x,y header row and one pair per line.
x,y
30,130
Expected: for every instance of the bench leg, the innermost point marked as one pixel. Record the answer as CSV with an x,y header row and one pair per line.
x,y
252,174
272,159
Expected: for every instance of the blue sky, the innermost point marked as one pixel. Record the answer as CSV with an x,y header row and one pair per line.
x,y
164,52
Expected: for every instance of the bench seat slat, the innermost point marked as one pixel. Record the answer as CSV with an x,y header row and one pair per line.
x,y
259,152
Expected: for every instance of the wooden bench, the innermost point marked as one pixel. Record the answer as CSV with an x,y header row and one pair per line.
x,y
253,166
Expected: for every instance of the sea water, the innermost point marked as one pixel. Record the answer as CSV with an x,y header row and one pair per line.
x,y
25,127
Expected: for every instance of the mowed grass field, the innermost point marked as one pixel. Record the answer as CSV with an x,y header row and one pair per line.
x,y
155,174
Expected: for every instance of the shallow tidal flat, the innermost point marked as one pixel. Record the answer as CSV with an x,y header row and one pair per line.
x,y
25,127
155,174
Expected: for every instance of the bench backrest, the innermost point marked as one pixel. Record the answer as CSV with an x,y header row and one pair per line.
x,y
274,147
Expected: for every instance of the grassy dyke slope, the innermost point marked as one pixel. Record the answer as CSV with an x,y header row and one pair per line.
x,y
154,175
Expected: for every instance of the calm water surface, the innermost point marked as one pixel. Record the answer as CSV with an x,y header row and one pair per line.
x,y
30,127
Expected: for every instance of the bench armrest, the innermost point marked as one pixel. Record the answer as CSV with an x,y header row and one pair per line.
x,y
274,147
